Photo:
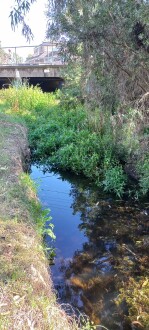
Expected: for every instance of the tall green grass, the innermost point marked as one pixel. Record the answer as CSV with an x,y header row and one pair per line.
x,y
70,138
23,99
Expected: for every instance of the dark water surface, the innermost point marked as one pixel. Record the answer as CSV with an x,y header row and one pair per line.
x,y
100,243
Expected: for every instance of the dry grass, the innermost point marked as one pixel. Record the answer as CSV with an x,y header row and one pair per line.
x,y
27,299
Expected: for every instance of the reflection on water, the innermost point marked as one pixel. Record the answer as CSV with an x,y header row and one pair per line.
x,y
100,244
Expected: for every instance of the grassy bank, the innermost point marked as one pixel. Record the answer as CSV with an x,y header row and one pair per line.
x,y
67,136
108,149
27,300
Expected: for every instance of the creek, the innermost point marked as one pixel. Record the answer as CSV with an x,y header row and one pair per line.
x,y
100,243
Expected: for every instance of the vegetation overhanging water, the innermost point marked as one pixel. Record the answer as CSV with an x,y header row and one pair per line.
x,y
101,246
70,137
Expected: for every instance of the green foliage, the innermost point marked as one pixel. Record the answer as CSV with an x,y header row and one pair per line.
x,y
129,139
143,169
71,93
73,137
82,153
17,16
109,40
22,99
115,179
106,46
41,217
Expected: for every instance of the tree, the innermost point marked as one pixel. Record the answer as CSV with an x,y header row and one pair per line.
x,y
4,57
17,16
111,38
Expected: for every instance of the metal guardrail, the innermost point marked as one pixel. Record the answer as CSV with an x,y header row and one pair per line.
x,y
45,53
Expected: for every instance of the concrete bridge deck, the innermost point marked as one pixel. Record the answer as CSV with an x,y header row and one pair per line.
x,y
48,76
43,66
31,71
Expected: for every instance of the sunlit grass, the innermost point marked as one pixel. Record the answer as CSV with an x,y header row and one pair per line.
x,y
70,136
27,300
24,99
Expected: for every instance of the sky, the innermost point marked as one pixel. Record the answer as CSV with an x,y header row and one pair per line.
x,y
36,20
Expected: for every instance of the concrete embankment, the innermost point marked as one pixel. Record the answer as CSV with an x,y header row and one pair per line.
x,y
27,300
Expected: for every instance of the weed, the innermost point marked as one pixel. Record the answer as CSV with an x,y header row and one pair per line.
x,y
115,180
89,142
41,216
143,168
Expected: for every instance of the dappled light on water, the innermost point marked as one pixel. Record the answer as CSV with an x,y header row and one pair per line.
x,y
101,244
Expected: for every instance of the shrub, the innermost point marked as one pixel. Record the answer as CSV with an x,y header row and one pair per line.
x,y
143,169
115,179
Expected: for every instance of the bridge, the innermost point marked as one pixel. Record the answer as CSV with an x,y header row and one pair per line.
x,y
40,65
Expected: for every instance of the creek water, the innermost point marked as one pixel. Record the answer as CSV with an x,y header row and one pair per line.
x,y
100,243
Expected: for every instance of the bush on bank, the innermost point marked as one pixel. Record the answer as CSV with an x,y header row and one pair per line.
x,y
70,137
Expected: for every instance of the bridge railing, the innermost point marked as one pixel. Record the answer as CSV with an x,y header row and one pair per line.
x,y
45,53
